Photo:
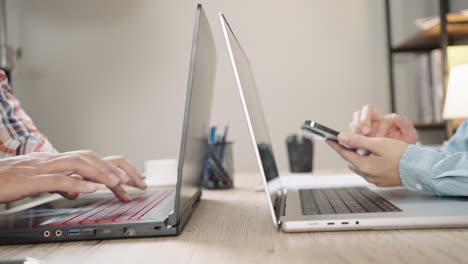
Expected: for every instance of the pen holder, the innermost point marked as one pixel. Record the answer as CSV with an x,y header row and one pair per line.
x,y
219,166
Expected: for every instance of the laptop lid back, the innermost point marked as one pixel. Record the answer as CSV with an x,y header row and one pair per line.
x,y
255,119
196,116
191,160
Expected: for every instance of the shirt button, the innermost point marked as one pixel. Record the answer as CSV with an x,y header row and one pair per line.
x,y
418,186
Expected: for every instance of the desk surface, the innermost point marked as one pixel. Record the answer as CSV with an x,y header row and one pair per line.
x,y
235,227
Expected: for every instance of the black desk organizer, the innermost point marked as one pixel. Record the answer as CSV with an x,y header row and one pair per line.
x,y
300,152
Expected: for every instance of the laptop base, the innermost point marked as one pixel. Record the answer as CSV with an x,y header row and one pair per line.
x,y
418,210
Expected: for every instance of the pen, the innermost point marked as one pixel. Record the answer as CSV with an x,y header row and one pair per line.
x,y
211,143
222,174
223,144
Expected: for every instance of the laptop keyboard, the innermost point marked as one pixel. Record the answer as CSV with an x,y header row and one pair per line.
x,y
343,201
113,210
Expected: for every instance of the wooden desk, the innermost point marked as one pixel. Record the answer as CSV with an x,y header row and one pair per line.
x,y
235,227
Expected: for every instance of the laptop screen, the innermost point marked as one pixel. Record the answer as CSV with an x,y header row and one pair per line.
x,y
197,111
253,112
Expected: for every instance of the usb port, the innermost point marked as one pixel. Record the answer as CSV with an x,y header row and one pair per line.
x,y
73,232
88,232
344,223
331,223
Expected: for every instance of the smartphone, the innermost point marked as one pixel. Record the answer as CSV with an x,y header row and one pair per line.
x,y
320,130
327,133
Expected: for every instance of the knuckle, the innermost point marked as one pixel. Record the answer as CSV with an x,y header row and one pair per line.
x,y
85,153
118,159
352,140
21,172
88,153
373,109
124,160
102,173
75,158
61,181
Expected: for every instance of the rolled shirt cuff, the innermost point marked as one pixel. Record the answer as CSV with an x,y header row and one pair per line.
x,y
415,168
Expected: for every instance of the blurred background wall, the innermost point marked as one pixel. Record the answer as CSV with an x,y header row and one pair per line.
x,y
111,75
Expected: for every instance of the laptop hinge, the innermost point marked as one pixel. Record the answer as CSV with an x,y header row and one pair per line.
x,y
280,205
178,219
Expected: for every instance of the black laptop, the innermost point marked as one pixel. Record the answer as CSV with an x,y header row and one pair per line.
x,y
157,211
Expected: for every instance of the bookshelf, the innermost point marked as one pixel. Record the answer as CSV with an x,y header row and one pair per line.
x,y
451,29
429,39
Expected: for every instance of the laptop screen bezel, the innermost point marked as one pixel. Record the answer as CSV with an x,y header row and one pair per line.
x,y
269,192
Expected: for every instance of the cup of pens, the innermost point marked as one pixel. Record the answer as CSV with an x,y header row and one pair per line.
x,y
219,167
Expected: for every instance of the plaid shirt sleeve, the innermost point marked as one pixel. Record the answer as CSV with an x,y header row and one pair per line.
x,y
18,134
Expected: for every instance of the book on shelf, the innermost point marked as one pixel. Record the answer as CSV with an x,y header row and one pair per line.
x,y
437,85
431,89
430,81
425,95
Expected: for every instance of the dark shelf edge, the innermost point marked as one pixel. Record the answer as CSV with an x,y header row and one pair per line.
x,y
430,126
414,49
422,49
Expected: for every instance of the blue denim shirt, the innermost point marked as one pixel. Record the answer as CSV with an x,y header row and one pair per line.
x,y
442,172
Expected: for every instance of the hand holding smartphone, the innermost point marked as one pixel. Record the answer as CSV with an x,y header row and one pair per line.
x,y
328,133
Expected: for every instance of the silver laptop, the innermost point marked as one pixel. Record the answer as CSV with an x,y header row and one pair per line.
x,y
157,211
357,207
